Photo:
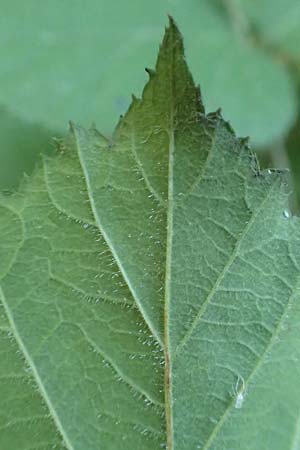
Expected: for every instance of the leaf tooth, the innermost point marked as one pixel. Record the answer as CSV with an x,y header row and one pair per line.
x,y
150,72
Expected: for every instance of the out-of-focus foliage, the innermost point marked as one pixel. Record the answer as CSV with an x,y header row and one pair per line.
x,y
293,154
275,26
81,60
20,144
277,23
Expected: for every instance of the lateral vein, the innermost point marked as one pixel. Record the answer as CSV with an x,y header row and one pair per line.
x,y
35,373
112,249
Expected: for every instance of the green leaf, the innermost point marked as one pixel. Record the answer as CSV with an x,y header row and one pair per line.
x,y
81,60
149,287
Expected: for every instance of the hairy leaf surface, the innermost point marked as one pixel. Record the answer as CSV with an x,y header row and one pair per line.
x,y
150,287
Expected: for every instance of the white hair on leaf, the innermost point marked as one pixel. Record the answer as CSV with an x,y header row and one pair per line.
x,y
239,393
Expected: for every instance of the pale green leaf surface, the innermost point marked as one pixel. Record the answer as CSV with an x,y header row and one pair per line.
x,y
84,340
167,237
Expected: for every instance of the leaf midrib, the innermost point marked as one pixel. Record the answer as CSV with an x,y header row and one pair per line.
x,y
168,278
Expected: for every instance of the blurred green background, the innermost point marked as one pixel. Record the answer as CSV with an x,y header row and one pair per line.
x,y
81,60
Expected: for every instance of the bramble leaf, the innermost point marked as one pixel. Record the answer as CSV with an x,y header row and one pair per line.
x,y
150,286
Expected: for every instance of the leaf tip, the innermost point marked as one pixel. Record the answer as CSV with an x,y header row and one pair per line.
x,y
172,23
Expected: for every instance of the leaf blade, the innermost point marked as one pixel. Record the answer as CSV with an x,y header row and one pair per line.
x,y
71,314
